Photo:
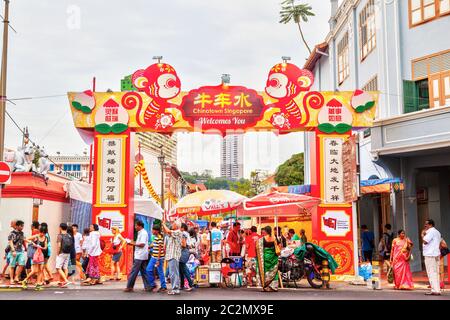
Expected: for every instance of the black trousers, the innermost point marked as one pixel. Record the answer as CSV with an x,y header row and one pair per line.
x,y
138,266
367,255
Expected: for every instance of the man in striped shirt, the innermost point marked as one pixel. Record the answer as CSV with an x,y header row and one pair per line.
x,y
157,260
173,254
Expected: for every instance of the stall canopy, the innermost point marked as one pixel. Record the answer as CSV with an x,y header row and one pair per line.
x,y
279,204
209,202
297,189
381,185
147,207
80,194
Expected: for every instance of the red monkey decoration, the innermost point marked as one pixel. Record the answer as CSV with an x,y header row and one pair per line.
x,y
285,82
160,82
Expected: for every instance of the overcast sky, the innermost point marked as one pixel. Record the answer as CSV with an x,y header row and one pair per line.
x,y
60,45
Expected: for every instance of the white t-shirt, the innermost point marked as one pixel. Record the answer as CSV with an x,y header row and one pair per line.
x,y
141,253
433,239
94,248
217,237
78,237
86,243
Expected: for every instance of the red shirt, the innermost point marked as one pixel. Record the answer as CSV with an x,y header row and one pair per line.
x,y
250,243
233,240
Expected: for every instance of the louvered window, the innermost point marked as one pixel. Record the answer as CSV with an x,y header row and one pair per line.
x,y
436,63
343,65
372,85
367,29
431,87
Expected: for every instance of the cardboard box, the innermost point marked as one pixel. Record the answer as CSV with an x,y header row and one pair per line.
x,y
202,276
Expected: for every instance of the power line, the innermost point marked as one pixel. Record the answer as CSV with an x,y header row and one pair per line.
x,y
52,127
39,97
34,144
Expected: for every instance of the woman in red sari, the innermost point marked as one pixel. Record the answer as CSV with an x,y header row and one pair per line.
x,y
400,256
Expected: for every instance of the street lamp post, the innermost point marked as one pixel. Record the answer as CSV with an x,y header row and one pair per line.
x,y
161,160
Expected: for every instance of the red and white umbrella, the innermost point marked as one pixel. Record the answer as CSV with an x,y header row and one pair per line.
x,y
278,204
209,202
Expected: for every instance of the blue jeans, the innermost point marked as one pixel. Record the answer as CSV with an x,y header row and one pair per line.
x,y
184,273
151,267
174,274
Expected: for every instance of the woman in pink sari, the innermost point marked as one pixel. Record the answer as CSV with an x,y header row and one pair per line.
x,y
400,256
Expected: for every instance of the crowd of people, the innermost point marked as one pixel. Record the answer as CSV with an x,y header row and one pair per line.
x,y
27,258
164,254
180,244
167,252
395,254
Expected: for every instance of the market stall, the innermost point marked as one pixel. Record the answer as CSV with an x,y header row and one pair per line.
x,y
208,203
276,205
147,211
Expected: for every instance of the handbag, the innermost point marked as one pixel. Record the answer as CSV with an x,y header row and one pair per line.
x,y
38,256
390,275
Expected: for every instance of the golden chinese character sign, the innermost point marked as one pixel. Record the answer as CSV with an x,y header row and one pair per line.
x,y
286,105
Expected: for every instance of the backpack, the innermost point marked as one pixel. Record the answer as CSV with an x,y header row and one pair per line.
x,y
66,243
389,237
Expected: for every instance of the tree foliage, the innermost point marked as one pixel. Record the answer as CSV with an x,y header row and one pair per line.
x,y
291,171
296,13
242,186
195,177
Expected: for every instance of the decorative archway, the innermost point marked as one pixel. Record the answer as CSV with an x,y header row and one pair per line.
x,y
286,106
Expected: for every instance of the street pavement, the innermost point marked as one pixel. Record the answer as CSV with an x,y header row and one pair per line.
x,y
111,290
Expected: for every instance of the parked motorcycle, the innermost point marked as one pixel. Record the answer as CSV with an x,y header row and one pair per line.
x,y
294,270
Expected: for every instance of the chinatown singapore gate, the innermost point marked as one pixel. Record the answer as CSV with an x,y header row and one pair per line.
x,y
286,105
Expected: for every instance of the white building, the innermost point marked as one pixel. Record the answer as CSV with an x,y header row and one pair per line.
x,y
399,48
232,157
73,167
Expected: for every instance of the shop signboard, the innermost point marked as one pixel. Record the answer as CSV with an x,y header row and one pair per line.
x,y
335,223
350,169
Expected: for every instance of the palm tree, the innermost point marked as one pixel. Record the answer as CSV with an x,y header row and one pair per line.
x,y
297,13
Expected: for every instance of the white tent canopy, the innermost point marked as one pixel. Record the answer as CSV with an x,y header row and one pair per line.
x,y
148,207
82,191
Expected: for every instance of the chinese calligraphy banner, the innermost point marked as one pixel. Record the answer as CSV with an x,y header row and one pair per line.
x,y
333,186
112,174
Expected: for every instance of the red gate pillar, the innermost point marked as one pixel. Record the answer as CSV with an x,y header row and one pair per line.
x,y
113,194
332,222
